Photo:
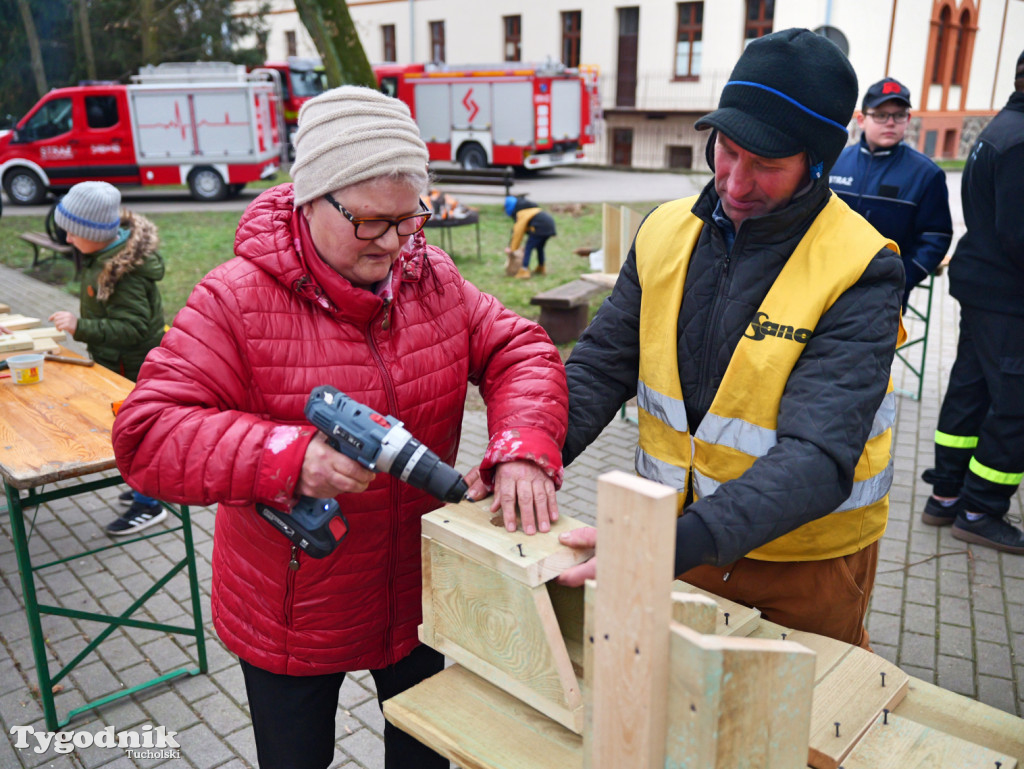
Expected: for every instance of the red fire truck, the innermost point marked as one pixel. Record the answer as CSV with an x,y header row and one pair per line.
x,y
301,80
534,116
212,130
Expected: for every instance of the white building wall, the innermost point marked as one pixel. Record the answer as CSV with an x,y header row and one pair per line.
x,y
281,18
985,69
909,47
665,108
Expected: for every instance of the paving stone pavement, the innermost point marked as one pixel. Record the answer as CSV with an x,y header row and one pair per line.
x,y
945,612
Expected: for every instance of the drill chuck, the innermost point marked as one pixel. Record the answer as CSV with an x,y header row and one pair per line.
x,y
411,462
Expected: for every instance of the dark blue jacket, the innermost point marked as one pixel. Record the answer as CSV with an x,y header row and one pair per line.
x,y
903,194
987,270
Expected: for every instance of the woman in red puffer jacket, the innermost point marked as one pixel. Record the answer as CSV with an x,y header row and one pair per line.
x,y
333,283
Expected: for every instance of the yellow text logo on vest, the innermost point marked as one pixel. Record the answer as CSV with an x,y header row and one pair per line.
x,y
761,327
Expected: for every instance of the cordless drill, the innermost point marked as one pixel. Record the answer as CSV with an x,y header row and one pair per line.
x,y
376,442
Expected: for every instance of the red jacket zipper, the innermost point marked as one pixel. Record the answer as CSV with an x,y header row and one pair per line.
x,y
393,497
289,587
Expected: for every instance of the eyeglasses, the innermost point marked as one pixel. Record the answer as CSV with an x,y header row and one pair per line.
x,y
883,117
371,229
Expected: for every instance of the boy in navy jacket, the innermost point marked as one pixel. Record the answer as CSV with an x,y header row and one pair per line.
x,y
895,187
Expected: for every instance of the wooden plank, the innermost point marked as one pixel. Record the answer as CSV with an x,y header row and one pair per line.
x,y
4,308
15,342
611,237
426,628
697,612
47,332
897,743
567,603
852,695
504,631
44,344
481,727
477,726
42,339
924,702
737,702
829,651
17,322
630,224
733,618
636,519
45,241
589,602
471,528
963,717
605,280
567,296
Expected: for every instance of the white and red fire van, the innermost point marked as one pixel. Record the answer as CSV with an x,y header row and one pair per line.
x,y
523,115
214,134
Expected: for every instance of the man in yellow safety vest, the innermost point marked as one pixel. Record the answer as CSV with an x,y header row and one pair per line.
x,y
756,325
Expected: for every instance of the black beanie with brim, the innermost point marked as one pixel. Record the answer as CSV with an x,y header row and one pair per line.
x,y
791,91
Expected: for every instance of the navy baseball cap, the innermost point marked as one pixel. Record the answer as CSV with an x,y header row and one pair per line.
x,y
886,90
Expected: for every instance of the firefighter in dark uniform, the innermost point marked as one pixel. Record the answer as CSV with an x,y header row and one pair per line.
x,y
979,442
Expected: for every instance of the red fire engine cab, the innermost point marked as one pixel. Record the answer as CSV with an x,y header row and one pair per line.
x,y
205,124
301,80
531,116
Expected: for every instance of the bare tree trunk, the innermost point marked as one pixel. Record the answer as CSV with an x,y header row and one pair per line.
x,y
330,25
83,20
33,46
148,32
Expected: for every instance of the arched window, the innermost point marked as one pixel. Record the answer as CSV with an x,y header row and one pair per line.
x,y
961,53
939,55
950,48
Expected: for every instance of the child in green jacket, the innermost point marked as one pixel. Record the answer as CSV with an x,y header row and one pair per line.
x,y
122,316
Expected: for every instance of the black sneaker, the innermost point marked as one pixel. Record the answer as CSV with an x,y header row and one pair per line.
x,y
136,518
936,514
989,531
126,497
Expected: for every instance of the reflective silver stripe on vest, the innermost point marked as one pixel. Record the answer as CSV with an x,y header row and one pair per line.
x,y
671,411
864,493
654,469
885,417
736,434
703,486
868,491
756,441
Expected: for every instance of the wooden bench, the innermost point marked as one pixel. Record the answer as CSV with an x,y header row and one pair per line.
x,y
565,310
40,240
487,177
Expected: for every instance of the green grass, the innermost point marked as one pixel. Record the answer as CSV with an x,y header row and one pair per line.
x,y
195,242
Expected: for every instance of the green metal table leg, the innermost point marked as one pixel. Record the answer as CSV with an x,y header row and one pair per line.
x,y
28,587
193,581
34,610
902,352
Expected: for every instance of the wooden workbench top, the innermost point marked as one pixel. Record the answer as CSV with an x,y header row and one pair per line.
x,y
60,427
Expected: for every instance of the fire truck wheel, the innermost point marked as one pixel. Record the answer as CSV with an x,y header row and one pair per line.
x,y
206,184
472,156
24,187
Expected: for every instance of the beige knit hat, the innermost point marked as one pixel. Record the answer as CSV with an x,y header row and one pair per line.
x,y
350,134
